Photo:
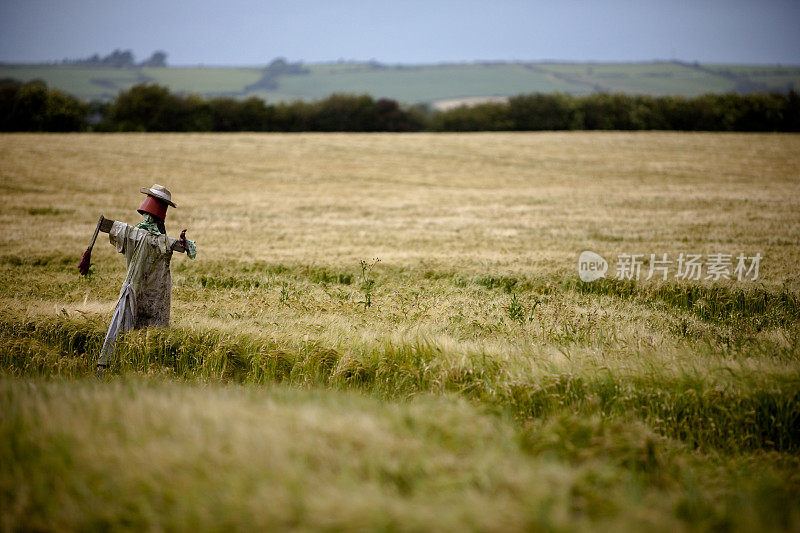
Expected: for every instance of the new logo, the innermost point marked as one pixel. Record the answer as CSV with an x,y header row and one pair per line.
x,y
591,266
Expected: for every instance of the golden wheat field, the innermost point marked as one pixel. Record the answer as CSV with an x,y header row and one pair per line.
x,y
387,331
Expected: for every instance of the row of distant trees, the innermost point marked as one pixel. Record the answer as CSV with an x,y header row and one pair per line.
x,y
34,107
602,111
145,107
121,59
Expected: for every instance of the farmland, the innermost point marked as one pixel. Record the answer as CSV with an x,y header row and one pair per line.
x,y
388,331
411,84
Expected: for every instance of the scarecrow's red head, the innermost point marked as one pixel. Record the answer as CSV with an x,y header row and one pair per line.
x,y
156,202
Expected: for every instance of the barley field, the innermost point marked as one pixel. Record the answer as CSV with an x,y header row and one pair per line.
x,y
389,332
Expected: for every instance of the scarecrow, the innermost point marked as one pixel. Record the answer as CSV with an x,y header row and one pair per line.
x,y
144,299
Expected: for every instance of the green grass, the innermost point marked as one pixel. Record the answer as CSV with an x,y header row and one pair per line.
x,y
421,84
151,453
418,83
719,412
656,79
84,82
204,80
706,402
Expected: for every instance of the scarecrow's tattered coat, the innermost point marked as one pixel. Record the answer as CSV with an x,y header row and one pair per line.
x,y
145,296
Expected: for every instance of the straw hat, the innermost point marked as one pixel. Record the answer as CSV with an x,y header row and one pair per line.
x,y
160,192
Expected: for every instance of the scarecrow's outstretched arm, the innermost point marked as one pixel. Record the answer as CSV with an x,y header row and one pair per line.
x,y
175,244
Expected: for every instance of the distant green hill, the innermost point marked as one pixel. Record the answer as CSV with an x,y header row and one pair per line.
x,y
410,84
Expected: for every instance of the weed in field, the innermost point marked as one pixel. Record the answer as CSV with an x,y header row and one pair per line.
x,y
285,293
367,282
519,312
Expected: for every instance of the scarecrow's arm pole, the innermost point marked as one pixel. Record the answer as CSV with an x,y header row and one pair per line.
x,y
175,244
86,261
105,225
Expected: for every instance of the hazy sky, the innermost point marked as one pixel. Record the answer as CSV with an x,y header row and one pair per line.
x,y
238,32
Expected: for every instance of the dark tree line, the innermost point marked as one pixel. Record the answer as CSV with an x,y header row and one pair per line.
x,y
34,107
121,59
710,112
155,108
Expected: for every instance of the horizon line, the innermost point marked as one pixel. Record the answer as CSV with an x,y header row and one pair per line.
x,y
373,61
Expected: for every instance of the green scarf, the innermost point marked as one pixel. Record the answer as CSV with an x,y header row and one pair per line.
x,y
148,223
